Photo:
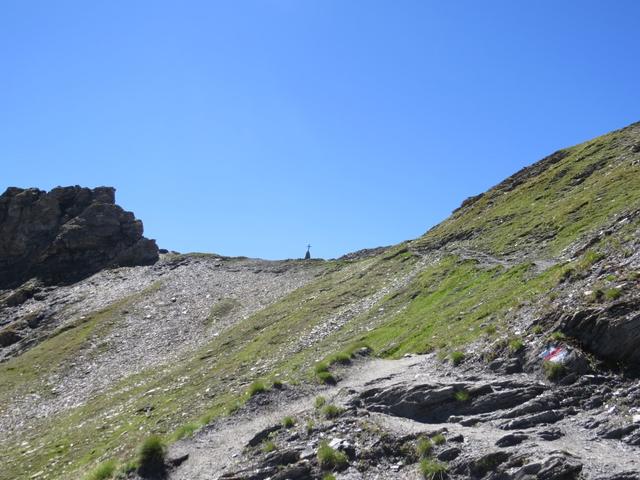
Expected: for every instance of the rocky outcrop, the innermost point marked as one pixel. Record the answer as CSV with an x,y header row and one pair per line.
x,y
66,234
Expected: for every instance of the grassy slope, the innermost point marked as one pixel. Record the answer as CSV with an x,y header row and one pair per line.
x,y
442,307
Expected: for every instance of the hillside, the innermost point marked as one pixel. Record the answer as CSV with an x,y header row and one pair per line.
x,y
444,331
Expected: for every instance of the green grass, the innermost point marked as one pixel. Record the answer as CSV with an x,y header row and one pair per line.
x,y
319,402
438,439
553,370
516,344
185,431
222,309
328,476
256,388
269,446
432,469
331,411
612,293
558,337
288,422
462,396
104,471
457,358
331,459
151,456
424,447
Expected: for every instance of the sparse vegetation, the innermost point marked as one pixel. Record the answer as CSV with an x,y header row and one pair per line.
x,y
185,430
462,396
331,411
612,293
329,476
288,422
320,402
326,378
103,471
553,370
151,456
557,337
516,344
537,329
457,357
278,384
331,459
432,469
269,446
309,426
424,447
490,330
256,388
438,439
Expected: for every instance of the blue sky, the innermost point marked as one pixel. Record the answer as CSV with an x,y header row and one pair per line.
x,y
254,127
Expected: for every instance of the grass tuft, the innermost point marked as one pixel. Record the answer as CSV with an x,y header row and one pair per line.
x,y
288,422
516,344
331,411
185,430
320,402
462,396
103,471
433,470
553,370
151,457
438,439
331,459
256,388
424,447
456,358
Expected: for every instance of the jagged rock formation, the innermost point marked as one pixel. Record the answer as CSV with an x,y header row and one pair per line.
x,y
66,234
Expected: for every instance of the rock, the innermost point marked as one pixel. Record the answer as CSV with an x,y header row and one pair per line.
x,y
528,421
262,435
449,454
612,332
66,234
559,468
550,434
511,439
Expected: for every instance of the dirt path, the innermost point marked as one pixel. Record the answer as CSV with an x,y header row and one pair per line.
x,y
219,447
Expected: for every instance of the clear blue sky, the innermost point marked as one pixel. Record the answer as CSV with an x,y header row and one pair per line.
x,y
254,127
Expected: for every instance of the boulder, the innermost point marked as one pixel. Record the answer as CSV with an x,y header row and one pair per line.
x,y
67,234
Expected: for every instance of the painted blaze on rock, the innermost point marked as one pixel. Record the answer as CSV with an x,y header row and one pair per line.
x,y
66,234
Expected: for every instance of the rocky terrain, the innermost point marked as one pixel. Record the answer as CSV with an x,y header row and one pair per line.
x,y
502,344
67,234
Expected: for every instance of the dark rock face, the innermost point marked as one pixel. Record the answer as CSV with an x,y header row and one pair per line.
x,y
612,332
66,234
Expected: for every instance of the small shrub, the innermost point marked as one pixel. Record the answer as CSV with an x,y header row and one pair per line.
x,y
256,388
438,439
553,370
185,430
320,402
433,470
612,293
103,471
456,358
331,411
537,330
462,396
424,448
331,459
516,344
269,446
151,456
288,422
